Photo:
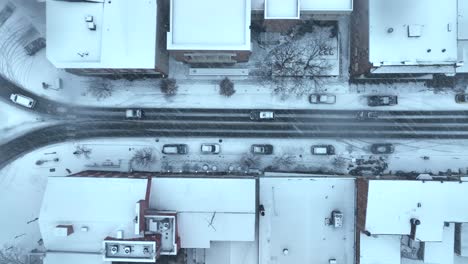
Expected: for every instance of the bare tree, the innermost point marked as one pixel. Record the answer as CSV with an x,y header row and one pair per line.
x,y
100,88
12,255
285,161
169,86
226,87
82,150
249,161
290,68
144,157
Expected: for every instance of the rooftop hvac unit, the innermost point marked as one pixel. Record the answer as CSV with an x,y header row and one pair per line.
x,y
114,249
164,225
91,26
337,219
127,250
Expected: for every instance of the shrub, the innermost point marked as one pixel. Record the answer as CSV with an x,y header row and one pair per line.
x,y
226,87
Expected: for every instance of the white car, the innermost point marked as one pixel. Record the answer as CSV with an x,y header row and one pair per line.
x,y
210,148
322,99
133,113
23,100
262,115
323,150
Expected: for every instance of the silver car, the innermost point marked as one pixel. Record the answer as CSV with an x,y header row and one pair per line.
x,y
210,148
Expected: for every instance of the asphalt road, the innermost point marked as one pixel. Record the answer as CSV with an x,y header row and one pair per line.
x,y
82,123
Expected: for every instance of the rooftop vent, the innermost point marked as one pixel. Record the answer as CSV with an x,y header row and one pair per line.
x,y
414,31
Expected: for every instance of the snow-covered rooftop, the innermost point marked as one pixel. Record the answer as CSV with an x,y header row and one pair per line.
x,y
288,6
73,258
326,5
209,25
417,32
232,253
296,210
124,35
463,35
207,209
101,206
386,249
282,9
381,249
392,204
441,252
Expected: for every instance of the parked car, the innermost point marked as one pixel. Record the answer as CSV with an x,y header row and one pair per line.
x,y
322,99
382,148
263,149
323,150
262,115
22,100
175,149
34,46
134,113
382,100
461,98
364,115
210,148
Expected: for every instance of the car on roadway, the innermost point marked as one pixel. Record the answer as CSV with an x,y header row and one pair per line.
x,y
323,150
322,99
259,115
262,149
134,113
461,98
23,100
174,149
382,148
210,148
366,115
382,100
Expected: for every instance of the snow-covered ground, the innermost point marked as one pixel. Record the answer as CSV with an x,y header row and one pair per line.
x,y
16,121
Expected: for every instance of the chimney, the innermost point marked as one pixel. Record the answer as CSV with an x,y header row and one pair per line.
x,y
63,230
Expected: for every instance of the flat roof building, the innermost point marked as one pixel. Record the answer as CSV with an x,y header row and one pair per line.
x,y
93,217
399,220
207,31
414,37
306,219
292,9
106,37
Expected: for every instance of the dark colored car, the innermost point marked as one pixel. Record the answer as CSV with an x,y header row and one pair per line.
x,y
365,115
172,149
263,149
34,46
382,100
382,148
461,98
